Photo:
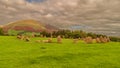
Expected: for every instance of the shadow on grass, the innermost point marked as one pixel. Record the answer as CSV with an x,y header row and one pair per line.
x,y
66,58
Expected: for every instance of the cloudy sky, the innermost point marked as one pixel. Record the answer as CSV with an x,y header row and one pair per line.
x,y
101,16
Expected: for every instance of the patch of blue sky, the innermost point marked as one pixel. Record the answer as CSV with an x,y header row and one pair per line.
x,y
35,0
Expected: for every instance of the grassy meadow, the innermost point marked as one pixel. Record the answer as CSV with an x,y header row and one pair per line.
x,y
15,53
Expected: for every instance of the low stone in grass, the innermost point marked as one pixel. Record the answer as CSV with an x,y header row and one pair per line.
x,y
47,41
27,39
59,39
108,39
98,40
50,40
75,41
88,40
102,39
18,37
38,41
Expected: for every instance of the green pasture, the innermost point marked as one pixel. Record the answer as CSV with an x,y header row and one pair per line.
x,y
15,53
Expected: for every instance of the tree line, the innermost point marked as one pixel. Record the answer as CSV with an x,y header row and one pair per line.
x,y
76,34
67,34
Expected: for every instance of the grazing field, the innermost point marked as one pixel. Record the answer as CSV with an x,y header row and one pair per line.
x,y
15,53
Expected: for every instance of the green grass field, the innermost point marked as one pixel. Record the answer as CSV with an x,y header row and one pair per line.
x,y
15,53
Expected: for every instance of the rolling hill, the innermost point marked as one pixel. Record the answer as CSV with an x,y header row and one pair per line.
x,y
28,25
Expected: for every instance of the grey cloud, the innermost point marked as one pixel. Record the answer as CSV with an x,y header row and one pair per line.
x,y
102,14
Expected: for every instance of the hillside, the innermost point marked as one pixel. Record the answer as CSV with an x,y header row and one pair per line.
x,y
28,25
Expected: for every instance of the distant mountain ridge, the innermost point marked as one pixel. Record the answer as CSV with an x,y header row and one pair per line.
x,y
28,25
